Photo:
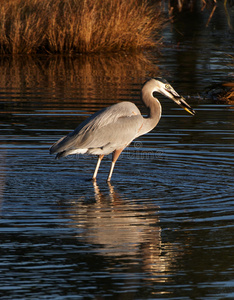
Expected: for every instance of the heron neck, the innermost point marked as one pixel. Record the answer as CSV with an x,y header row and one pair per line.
x,y
154,110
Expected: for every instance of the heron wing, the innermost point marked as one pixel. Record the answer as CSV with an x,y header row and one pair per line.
x,y
101,128
116,135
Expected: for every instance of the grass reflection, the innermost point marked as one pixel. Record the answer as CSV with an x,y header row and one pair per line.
x,y
79,85
62,74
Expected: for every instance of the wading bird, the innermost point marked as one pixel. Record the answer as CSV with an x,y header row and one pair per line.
x,y
113,128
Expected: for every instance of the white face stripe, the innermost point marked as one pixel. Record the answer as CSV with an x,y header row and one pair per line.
x,y
165,89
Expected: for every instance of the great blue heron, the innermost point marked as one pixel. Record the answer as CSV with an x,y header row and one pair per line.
x,y
113,128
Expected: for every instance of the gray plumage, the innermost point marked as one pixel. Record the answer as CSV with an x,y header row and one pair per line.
x,y
98,134
113,128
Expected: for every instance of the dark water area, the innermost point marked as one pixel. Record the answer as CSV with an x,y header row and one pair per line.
x,y
163,228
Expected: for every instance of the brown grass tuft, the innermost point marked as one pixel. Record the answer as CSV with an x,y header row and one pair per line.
x,y
227,95
81,26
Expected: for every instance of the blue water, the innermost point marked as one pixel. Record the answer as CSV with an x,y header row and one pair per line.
x,y
163,228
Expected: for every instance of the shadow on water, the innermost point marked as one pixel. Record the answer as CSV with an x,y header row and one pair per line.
x,y
125,232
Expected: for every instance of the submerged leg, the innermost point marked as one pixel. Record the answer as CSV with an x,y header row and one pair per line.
x,y
115,156
100,157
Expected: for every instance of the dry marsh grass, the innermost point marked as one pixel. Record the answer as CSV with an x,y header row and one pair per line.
x,y
80,26
227,95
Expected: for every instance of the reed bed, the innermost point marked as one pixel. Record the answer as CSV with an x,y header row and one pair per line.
x,y
77,26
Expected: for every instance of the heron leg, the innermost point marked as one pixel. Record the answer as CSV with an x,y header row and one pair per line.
x,y
115,156
100,157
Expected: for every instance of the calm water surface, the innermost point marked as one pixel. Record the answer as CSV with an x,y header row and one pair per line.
x,y
163,229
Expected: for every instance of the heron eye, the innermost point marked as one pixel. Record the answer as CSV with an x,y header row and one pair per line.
x,y
167,86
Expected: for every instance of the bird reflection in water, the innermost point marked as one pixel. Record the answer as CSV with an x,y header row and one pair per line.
x,y
125,230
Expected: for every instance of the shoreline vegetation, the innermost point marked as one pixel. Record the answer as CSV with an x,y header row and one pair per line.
x,y
78,26
89,26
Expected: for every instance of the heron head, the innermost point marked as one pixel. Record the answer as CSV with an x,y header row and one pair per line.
x,y
163,87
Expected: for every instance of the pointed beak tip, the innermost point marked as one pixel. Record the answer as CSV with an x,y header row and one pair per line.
x,y
186,107
190,111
